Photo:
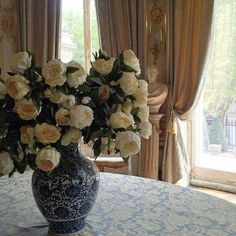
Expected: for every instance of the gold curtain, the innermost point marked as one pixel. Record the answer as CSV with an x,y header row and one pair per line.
x,y
38,24
192,21
122,26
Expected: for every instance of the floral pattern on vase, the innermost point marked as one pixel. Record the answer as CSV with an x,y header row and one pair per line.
x,y
66,199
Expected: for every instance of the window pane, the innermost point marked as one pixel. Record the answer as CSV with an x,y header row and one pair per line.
x,y
217,111
94,28
72,35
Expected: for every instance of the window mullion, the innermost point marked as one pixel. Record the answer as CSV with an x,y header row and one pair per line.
x,y
87,35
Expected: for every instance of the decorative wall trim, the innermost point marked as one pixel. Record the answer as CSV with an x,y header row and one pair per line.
x,y
156,29
8,28
7,23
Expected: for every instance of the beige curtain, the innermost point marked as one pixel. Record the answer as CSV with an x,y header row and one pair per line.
x,y
122,26
192,21
38,24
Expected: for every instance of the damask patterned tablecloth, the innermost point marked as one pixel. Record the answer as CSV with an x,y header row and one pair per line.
x,y
125,205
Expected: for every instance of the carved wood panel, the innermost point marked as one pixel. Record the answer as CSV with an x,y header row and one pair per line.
x,y
7,34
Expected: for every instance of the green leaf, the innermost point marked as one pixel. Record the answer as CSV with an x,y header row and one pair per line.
x,y
32,59
118,98
98,134
31,160
12,172
125,159
10,103
2,116
3,130
95,55
96,80
114,108
88,131
11,73
84,88
71,69
136,119
38,70
128,68
107,109
97,147
36,99
63,89
94,96
31,74
20,166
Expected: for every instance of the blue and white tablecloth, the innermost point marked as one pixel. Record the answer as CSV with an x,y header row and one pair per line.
x,y
125,206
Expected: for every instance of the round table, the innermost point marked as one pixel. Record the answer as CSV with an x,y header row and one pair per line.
x,y
125,205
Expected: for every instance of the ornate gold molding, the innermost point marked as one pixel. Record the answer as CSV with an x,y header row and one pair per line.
x,y
156,18
7,23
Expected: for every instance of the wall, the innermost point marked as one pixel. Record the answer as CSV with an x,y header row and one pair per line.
x,y
157,53
7,34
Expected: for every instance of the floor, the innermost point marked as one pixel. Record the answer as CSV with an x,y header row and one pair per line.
x,y
231,197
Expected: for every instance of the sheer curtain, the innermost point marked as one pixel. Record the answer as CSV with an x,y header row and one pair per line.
x,y
192,22
38,24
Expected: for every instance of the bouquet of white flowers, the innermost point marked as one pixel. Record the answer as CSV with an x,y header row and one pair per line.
x,y
43,109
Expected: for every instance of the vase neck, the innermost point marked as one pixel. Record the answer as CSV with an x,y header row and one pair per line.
x,y
71,151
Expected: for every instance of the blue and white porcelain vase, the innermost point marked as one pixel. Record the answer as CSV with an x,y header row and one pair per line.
x,y
65,198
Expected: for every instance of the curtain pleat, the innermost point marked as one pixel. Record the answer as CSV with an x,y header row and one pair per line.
x,y
122,26
38,24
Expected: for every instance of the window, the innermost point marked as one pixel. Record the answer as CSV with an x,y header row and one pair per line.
x,y
79,31
214,125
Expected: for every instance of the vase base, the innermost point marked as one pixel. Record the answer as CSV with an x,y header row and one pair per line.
x,y
68,234
66,228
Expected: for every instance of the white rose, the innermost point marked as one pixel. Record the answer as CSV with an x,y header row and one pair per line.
x,y
108,146
47,93
68,101
81,116
54,73
17,87
3,90
119,119
47,158
46,133
86,100
56,96
104,92
78,77
143,113
128,83
130,59
142,84
27,135
62,117
113,83
146,129
128,143
103,66
20,62
127,107
6,163
26,109
72,136
140,98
